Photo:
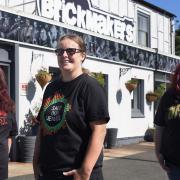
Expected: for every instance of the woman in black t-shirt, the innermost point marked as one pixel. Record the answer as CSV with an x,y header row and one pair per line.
x,y
73,119
8,126
167,129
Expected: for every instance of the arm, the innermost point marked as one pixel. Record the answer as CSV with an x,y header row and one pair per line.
x,y
36,155
9,144
93,151
94,147
158,142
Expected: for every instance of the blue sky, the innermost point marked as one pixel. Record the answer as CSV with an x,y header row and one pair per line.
x,y
172,6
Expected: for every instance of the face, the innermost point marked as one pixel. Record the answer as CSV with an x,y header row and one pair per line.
x,y
70,61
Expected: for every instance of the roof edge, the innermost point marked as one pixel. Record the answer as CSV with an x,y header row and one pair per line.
x,y
152,6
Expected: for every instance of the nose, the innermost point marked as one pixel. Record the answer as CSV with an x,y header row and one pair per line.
x,y
65,53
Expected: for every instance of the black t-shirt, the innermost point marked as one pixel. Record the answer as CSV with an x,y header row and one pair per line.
x,y
67,109
168,116
8,127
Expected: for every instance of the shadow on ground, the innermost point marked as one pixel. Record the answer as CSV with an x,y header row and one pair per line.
x,y
142,166
24,177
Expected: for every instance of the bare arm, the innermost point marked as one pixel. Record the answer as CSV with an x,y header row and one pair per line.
x,y
9,144
93,151
36,155
95,146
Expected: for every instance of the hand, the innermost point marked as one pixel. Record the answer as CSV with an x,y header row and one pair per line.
x,y
162,161
78,174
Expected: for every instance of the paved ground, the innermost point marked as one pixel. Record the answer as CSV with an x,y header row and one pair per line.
x,y
130,162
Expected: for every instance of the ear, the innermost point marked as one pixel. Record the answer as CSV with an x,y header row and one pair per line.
x,y
83,56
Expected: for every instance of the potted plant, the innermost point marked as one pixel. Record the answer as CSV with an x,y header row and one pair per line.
x,y
110,140
43,77
27,137
151,96
160,89
149,135
131,84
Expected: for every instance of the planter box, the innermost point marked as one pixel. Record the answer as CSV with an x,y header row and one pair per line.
x,y
26,148
111,138
151,97
131,86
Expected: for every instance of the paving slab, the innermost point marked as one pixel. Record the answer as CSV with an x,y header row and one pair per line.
x,y
129,162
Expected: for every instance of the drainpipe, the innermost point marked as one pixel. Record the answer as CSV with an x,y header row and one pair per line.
x,y
172,36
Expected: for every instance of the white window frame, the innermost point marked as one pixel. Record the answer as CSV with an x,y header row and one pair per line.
x,y
145,31
137,101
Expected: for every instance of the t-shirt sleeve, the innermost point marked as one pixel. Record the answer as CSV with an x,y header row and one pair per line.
x,y
160,114
96,103
14,129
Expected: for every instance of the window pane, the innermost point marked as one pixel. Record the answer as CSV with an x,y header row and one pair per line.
x,y
137,102
143,38
143,29
143,23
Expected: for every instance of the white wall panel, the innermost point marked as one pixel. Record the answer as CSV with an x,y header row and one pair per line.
x,y
154,43
123,6
154,25
166,47
104,5
114,6
131,9
2,2
30,8
166,29
160,23
160,41
95,3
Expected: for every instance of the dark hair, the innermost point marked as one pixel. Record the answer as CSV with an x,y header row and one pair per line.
x,y
6,103
76,39
175,79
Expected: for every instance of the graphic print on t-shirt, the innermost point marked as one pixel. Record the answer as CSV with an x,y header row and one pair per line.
x,y
53,114
174,112
3,118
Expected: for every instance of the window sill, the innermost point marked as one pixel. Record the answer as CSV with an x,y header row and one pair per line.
x,y
137,114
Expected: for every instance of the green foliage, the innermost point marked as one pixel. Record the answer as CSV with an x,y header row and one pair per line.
x,y
99,77
42,72
160,89
132,81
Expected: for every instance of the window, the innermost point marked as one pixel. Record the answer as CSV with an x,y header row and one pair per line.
x,y
137,101
143,29
55,73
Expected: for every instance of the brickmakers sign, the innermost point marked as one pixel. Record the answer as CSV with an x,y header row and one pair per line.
x,y
81,13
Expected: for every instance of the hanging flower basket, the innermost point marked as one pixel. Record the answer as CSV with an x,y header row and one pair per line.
x,y
131,84
151,97
43,77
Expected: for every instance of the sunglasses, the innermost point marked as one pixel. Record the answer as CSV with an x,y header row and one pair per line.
x,y
69,51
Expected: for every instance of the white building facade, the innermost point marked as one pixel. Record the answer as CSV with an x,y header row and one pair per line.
x,y
126,39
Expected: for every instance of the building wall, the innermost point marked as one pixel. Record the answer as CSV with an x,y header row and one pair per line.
x,y
160,24
30,61
30,58
120,111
